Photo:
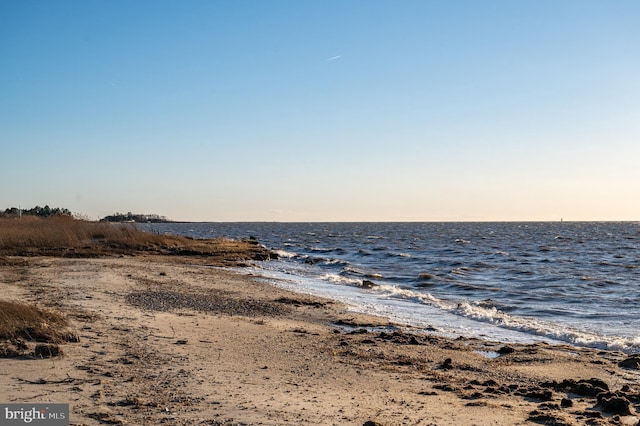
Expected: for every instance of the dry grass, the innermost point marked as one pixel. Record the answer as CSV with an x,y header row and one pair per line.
x,y
65,236
62,231
28,322
26,330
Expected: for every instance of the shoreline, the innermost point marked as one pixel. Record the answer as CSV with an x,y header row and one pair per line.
x,y
482,327
512,283
165,340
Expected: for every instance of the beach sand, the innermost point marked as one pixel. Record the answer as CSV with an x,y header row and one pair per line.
x,y
169,340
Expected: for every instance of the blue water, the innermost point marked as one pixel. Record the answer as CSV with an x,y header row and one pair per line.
x,y
576,283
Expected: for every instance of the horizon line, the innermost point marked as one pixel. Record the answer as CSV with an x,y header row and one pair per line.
x,y
410,221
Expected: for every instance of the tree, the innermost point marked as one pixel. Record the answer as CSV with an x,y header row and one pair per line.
x,y
45,211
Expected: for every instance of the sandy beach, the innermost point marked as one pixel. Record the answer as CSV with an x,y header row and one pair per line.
x,y
173,340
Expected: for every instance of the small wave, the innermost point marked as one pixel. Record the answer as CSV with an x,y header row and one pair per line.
x,y
327,249
349,269
518,272
492,304
342,280
425,276
467,286
374,275
285,254
408,294
492,315
398,254
482,266
336,262
427,279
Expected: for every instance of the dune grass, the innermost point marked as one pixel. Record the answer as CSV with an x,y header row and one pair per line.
x,y
66,236
29,331
22,321
64,231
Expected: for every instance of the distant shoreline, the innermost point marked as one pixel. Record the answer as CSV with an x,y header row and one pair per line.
x,y
403,221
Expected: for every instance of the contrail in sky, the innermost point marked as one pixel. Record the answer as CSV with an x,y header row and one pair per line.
x,y
334,58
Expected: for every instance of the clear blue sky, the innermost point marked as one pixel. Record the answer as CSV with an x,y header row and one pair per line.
x,y
322,110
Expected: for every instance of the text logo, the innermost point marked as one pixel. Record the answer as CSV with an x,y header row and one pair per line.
x,y
34,414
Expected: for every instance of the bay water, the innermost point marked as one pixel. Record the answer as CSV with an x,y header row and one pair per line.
x,y
564,282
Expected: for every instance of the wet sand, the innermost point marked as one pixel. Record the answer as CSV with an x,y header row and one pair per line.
x,y
169,340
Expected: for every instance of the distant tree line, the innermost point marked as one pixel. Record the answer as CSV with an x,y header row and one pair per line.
x,y
134,217
45,211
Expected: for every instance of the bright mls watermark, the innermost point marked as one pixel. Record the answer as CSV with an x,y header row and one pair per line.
x,y
36,414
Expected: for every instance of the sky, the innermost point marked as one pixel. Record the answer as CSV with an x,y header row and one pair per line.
x,y
300,110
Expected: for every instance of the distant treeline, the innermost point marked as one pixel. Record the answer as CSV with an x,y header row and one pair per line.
x,y
134,217
45,211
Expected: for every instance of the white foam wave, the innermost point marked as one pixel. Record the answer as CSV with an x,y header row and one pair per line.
x,y
563,333
404,293
398,254
339,279
324,249
456,317
285,254
336,262
492,315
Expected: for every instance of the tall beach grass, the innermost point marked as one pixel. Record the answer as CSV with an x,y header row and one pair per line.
x,y
66,236
63,231
22,321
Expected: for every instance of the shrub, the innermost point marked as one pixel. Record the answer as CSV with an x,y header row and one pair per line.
x,y
22,321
